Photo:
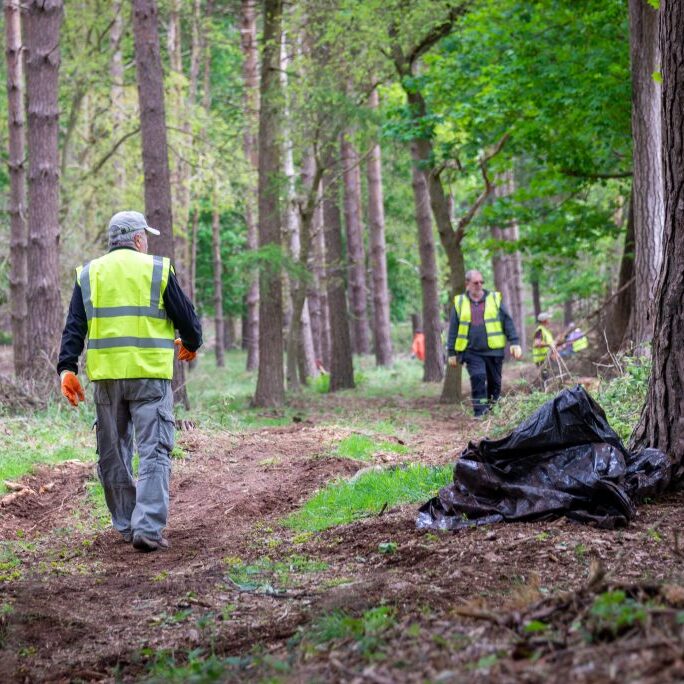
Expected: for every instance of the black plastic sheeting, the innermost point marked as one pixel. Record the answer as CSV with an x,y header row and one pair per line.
x,y
563,460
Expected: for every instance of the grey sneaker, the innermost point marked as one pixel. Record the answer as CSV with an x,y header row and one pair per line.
x,y
144,543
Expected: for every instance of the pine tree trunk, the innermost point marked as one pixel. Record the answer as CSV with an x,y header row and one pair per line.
x,y
117,94
536,297
18,277
355,252
150,78
662,420
341,365
43,21
647,185
623,304
317,296
270,390
433,370
250,73
376,229
218,285
515,293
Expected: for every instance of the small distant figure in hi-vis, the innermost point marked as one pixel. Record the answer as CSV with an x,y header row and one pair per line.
x,y
418,346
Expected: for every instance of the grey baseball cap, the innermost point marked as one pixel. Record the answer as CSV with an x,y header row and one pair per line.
x,y
544,316
126,222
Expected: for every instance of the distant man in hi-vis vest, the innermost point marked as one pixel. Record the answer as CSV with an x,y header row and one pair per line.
x,y
129,305
478,330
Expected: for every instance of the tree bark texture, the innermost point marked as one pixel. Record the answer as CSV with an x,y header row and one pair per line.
x,y
250,74
218,286
43,21
355,252
341,364
318,293
647,185
150,78
117,94
270,389
378,254
662,420
622,306
433,369
18,277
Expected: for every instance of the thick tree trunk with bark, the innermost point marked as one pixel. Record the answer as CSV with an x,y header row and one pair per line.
x,y
18,277
43,21
351,174
622,305
662,420
250,74
647,188
433,369
382,340
318,294
150,78
270,389
218,285
341,365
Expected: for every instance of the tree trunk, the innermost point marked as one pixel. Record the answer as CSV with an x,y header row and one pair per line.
x,y
44,321
515,285
536,298
218,285
662,420
18,277
355,252
250,74
341,365
376,235
568,313
318,297
647,185
622,306
117,93
270,390
150,78
433,369
193,257
499,265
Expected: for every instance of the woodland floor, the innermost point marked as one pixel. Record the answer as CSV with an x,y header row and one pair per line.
x,y
448,607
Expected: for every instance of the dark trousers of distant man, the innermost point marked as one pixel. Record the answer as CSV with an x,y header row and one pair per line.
x,y
485,379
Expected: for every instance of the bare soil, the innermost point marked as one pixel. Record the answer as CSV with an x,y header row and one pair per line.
x,y
85,606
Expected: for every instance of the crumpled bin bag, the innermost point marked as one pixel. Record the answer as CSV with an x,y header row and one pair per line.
x,y
563,460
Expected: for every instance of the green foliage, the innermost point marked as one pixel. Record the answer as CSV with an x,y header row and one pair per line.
x,y
266,574
344,501
613,612
367,630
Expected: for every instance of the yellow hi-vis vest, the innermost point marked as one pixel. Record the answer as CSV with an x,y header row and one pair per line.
x,y
539,354
495,334
129,333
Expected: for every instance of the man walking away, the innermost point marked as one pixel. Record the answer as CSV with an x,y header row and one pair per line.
x,y
478,329
129,303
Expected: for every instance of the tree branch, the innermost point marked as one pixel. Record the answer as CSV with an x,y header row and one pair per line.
x,y
574,173
111,152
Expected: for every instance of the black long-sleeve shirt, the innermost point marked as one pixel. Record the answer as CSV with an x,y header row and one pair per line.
x,y
176,304
477,334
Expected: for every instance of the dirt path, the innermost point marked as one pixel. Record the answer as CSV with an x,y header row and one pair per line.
x,y
83,606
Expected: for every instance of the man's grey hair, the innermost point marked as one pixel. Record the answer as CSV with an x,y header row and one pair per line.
x,y
125,240
469,274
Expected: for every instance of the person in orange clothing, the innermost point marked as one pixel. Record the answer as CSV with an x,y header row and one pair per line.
x,y
418,346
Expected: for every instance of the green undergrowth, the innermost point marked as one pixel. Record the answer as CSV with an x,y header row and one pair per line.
x,y
621,398
57,434
362,447
269,576
343,501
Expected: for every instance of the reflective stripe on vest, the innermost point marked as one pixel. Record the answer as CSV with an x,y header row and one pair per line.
x,y
129,333
539,354
495,334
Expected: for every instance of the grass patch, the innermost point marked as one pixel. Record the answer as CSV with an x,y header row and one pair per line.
x,y
368,630
341,502
52,436
267,574
362,447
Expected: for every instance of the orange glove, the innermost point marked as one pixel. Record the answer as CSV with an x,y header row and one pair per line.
x,y
183,353
71,388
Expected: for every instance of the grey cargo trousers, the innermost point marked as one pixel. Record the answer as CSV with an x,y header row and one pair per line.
x,y
140,409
